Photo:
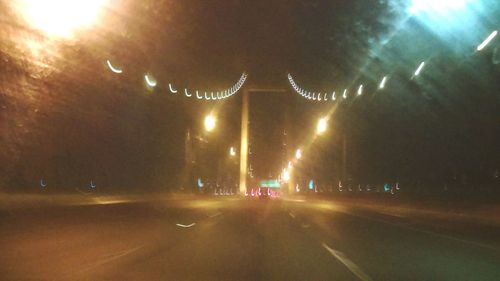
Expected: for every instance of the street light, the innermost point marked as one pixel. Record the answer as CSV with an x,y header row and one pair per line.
x,y
440,6
322,124
419,69
210,123
487,40
60,18
298,154
286,175
232,152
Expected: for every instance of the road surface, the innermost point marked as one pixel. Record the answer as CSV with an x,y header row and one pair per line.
x,y
231,239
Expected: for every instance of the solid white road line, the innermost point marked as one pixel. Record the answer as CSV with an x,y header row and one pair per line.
x,y
292,215
348,263
108,258
215,215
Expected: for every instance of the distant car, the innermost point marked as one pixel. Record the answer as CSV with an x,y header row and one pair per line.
x,y
263,193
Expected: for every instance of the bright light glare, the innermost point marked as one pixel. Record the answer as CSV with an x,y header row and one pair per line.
x,y
286,175
419,69
150,81
360,90
382,83
60,18
210,123
232,151
114,69
487,40
322,124
438,6
298,154
171,88
290,165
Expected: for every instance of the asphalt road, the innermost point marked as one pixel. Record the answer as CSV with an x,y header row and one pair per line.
x,y
231,239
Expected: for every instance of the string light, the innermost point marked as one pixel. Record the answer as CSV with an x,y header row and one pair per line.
x,y
419,69
382,83
487,41
150,81
171,88
114,69
360,90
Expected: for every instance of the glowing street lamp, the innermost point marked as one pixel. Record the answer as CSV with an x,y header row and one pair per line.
x,y
321,127
438,6
298,154
487,40
210,122
382,83
60,18
360,90
286,175
419,69
150,81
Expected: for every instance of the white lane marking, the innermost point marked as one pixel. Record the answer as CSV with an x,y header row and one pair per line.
x,y
215,215
184,225
110,258
348,263
477,244
292,215
394,215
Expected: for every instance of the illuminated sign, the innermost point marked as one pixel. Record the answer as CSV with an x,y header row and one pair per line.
x,y
270,184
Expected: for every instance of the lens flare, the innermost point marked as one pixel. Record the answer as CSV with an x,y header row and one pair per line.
x,y
60,18
322,125
210,123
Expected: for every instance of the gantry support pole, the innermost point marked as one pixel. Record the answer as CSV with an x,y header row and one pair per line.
x,y
244,143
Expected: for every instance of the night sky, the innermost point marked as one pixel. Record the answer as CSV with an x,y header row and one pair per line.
x,y
66,118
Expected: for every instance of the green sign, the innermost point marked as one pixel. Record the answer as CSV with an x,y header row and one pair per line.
x,y
270,184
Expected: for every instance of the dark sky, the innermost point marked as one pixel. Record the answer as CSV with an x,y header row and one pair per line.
x,y
65,118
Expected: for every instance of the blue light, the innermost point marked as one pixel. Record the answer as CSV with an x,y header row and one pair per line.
x,y
311,184
200,183
448,17
438,6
